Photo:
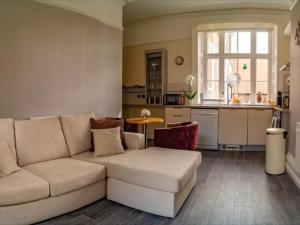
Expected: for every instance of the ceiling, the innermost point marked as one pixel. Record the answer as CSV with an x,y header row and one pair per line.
x,y
136,10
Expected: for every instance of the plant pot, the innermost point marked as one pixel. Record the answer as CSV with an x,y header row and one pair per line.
x,y
189,101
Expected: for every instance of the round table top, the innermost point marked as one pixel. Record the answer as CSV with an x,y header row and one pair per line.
x,y
142,121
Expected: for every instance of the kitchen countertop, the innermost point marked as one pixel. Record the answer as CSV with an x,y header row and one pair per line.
x,y
213,106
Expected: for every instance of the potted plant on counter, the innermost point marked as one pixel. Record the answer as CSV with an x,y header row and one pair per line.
x,y
189,93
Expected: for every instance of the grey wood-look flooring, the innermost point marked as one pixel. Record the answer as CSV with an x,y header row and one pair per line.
x,y
232,188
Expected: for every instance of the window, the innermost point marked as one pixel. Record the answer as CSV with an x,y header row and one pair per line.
x,y
240,59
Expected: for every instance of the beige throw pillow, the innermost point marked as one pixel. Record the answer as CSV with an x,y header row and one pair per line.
x,y
7,164
107,142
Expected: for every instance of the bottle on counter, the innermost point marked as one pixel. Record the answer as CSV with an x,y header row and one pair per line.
x,y
286,102
279,99
258,97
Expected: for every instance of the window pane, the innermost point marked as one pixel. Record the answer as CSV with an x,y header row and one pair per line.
x,y
234,67
212,90
262,42
262,77
230,42
244,91
262,70
262,87
212,79
213,69
244,41
237,42
212,42
237,74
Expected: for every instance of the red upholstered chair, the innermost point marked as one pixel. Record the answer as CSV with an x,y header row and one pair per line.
x,y
178,136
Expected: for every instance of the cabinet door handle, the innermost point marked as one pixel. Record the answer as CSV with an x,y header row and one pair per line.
x,y
204,114
176,115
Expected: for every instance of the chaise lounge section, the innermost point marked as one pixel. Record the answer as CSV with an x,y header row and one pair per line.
x,y
59,174
154,180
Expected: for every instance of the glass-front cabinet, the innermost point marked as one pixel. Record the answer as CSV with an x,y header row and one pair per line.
x,y
156,76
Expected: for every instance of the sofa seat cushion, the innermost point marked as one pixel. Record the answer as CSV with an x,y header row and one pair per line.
x,y
22,187
165,170
66,175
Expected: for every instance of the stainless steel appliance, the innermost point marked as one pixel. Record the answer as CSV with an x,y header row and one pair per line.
x,y
208,127
174,99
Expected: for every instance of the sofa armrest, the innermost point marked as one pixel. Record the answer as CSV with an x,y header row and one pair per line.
x,y
134,140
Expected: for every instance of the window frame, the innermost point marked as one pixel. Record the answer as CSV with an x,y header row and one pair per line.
x,y
222,56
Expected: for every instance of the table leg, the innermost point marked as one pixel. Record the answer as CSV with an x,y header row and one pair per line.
x,y
145,135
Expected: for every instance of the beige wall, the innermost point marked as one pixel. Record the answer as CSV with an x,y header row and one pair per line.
x,y
134,64
175,34
295,82
53,61
107,12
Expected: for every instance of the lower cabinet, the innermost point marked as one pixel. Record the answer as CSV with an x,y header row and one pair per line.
x,y
232,126
244,126
177,115
258,122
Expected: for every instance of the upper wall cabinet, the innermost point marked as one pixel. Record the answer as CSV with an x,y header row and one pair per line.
x,y
156,76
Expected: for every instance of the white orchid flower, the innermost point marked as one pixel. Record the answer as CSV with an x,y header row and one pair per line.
x,y
189,79
189,93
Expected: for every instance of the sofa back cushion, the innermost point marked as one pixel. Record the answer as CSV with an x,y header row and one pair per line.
x,y
39,140
8,164
7,134
77,131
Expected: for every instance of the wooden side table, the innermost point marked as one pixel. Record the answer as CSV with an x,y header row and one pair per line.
x,y
145,122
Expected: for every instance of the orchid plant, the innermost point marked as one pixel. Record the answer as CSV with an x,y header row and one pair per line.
x,y
189,93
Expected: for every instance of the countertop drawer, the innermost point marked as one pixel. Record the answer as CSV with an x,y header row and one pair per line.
x,y
176,115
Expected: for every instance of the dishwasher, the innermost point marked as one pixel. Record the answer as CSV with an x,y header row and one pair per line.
x,y
207,127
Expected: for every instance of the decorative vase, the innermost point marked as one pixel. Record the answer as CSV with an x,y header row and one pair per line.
x,y
190,101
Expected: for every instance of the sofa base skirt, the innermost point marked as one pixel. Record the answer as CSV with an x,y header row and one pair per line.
x,y
33,212
149,200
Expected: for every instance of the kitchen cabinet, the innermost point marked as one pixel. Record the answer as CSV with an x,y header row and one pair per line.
x,y
156,76
258,122
232,126
177,115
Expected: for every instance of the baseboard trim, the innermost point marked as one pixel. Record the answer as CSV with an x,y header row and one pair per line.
x,y
290,169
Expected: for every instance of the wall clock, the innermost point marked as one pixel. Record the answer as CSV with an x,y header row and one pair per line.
x,y
179,60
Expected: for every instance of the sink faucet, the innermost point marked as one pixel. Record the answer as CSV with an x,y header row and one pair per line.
x,y
229,97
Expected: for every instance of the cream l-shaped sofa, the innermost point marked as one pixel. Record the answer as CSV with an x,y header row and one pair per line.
x,y
59,174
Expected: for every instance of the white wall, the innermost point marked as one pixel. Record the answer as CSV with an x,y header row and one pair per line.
x,y
180,26
295,81
54,61
107,12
